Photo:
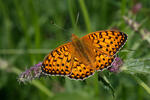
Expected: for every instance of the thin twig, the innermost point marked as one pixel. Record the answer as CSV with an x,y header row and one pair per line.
x,y
137,28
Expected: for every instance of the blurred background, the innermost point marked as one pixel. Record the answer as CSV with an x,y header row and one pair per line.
x,y
30,29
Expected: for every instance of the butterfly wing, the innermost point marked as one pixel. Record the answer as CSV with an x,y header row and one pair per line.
x,y
80,71
58,62
108,42
103,61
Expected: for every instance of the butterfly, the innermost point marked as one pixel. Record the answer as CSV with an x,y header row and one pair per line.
x,y
81,57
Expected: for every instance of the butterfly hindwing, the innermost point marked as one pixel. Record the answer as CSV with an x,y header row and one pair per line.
x,y
103,61
80,71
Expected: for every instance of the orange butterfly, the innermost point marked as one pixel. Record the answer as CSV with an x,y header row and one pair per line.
x,y
80,58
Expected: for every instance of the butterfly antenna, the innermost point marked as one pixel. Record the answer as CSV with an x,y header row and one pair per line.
x,y
53,23
60,27
77,18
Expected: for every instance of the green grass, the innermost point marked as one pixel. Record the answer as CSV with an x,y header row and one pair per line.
x,y
31,26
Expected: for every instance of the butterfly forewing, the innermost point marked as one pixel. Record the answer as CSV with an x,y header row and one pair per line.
x,y
58,62
108,42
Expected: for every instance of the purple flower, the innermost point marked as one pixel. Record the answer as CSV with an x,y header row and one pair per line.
x,y
136,8
116,65
30,74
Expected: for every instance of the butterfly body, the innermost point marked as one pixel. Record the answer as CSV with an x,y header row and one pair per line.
x,y
80,58
83,51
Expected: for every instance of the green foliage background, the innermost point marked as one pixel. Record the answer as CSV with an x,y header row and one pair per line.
x,y
30,29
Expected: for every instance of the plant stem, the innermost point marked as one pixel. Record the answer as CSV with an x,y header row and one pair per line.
x,y
85,14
